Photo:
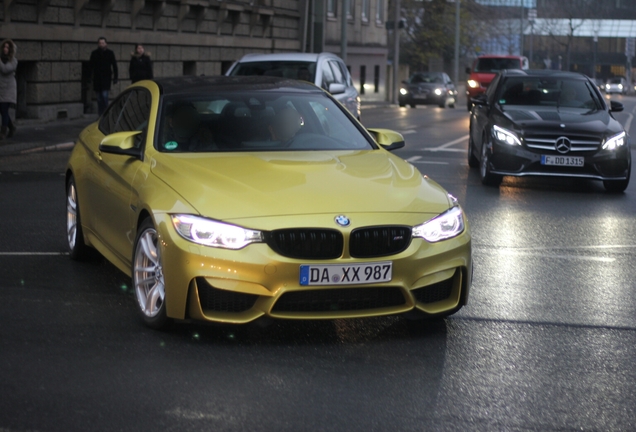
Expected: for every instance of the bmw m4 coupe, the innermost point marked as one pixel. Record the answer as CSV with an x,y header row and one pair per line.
x,y
227,199
548,123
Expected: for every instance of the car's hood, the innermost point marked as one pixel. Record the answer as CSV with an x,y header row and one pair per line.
x,y
596,122
483,77
235,185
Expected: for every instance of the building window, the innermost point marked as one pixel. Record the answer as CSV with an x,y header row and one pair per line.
x,y
376,79
379,12
365,10
363,78
351,9
332,6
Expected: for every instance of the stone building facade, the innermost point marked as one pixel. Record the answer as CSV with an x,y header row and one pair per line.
x,y
186,37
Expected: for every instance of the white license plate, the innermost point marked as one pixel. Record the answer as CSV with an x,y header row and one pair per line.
x,y
351,274
420,96
575,161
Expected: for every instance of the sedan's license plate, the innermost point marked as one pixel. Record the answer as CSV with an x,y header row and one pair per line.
x,y
337,274
576,161
420,96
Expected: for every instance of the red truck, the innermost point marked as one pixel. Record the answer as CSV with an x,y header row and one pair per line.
x,y
484,70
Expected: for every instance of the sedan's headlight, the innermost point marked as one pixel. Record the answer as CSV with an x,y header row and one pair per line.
x,y
505,136
620,86
438,91
443,227
473,84
616,141
212,233
403,91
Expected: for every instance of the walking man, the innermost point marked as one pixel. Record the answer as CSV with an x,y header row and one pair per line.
x,y
104,67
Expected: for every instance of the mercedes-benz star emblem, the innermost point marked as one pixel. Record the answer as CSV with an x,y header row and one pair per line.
x,y
563,144
342,220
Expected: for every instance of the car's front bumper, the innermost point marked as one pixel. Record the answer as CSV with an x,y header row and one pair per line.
x,y
239,286
520,161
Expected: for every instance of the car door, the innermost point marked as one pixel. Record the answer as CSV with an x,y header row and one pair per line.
x,y
480,114
113,217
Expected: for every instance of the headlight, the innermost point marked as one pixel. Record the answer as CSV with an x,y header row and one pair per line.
x,y
212,233
607,86
616,141
443,227
403,91
438,91
473,84
505,136
620,86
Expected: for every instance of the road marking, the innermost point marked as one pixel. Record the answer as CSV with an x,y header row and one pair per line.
x,y
33,253
445,147
416,159
408,132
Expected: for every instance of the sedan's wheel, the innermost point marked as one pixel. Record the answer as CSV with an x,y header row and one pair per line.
x,y
413,105
74,235
401,104
487,178
473,162
148,278
442,104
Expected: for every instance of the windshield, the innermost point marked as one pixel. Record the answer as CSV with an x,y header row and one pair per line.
x,y
253,121
427,78
301,70
496,64
616,81
538,91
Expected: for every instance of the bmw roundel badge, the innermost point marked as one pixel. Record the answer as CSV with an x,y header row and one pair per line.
x,y
342,220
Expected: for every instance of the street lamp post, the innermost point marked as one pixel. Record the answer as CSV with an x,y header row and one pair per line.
x,y
456,71
343,34
396,51
532,16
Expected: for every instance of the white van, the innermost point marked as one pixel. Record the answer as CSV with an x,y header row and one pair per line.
x,y
325,70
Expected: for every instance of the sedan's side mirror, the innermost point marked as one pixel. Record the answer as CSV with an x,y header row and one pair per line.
x,y
616,106
335,88
405,82
468,70
481,100
388,139
121,143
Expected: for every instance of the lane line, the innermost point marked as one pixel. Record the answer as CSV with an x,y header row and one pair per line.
x,y
430,162
413,158
548,256
445,147
408,132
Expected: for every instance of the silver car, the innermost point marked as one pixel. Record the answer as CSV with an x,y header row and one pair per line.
x,y
325,70
616,85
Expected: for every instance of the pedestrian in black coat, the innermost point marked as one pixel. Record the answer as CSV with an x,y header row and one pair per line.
x,y
140,65
104,68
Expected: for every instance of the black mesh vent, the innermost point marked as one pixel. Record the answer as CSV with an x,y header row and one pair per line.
x,y
434,293
217,300
379,241
339,299
306,243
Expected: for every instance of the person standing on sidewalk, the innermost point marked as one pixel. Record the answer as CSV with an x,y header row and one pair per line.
x,y
104,67
140,65
8,86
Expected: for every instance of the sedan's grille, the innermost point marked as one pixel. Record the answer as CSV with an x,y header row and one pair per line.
x,y
339,299
577,144
379,241
306,243
434,293
217,300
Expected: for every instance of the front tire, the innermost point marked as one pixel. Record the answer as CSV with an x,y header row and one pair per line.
x,y
148,280
78,250
487,178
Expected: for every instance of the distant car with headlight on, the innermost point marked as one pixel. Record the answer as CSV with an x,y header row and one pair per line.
x,y
428,88
548,123
228,199
616,85
485,68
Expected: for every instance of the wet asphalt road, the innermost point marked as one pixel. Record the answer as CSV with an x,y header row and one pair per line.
x,y
547,341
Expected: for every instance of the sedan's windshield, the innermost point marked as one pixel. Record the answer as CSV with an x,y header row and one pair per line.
x,y
256,121
301,70
496,64
557,92
427,78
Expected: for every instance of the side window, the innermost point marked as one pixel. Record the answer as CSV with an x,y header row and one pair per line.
x,y
492,87
337,72
327,76
109,119
134,116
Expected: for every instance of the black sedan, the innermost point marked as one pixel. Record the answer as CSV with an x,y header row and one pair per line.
x,y
428,88
547,123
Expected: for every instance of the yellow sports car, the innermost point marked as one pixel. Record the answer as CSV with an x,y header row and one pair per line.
x,y
227,199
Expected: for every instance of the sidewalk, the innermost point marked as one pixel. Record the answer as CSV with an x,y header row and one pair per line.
x,y
41,147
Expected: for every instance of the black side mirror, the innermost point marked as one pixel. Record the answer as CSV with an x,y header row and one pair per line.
x,y
481,100
467,70
616,106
